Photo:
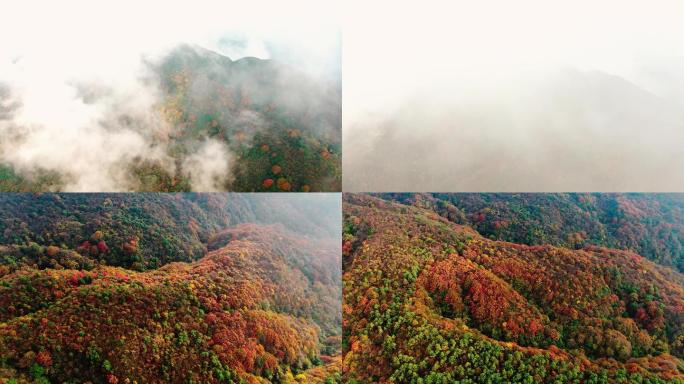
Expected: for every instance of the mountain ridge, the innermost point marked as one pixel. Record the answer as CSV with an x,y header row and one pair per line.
x,y
210,288
240,313
427,300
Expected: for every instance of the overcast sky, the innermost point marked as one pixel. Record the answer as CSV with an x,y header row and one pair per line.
x,y
99,36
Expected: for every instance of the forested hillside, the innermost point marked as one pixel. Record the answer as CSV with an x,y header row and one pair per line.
x,y
141,230
212,124
651,225
283,127
237,292
427,300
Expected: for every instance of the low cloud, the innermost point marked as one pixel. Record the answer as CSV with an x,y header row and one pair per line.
x,y
208,168
81,95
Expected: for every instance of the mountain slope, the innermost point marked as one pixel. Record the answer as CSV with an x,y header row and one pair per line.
x,y
651,225
269,114
143,231
259,303
204,123
427,300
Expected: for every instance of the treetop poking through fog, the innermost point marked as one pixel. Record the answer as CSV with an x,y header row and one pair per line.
x,y
525,95
132,96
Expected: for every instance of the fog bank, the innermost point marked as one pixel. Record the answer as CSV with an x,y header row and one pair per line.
x,y
514,96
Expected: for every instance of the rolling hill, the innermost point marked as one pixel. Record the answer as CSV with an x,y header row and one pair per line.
x,y
427,300
651,225
258,302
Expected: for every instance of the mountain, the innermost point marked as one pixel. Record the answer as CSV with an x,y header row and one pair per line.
x,y
427,300
280,123
143,230
259,302
212,123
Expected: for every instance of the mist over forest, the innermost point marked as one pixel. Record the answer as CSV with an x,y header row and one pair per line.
x,y
201,102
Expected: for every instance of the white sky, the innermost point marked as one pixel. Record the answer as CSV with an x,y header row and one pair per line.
x,y
393,48
107,37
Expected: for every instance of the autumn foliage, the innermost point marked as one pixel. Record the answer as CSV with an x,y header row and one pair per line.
x,y
428,300
261,306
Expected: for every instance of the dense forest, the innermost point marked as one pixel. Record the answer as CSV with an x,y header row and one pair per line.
x,y
436,292
651,225
217,124
177,288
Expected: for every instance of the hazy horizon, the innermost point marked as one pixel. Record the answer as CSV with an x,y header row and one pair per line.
x,y
515,96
